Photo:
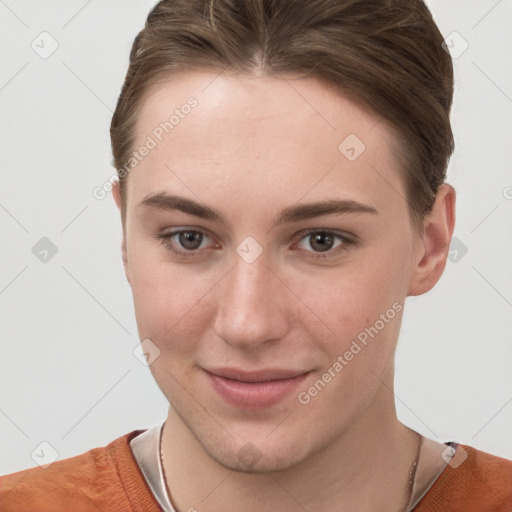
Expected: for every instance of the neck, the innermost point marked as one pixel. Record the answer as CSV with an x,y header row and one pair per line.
x,y
365,469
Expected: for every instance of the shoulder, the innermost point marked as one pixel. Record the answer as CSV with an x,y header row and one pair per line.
x,y
472,481
102,477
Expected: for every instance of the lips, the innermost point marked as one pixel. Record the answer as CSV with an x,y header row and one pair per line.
x,y
254,389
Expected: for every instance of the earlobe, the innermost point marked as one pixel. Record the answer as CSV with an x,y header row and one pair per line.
x,y
435,242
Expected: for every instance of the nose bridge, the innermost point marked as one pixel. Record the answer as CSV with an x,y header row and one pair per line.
x,y
249,310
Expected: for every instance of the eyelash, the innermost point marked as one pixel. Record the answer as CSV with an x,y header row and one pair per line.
x,y
166,241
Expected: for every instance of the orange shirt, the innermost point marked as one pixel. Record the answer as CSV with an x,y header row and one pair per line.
x,y
109,479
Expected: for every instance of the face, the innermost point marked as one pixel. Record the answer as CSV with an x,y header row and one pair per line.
x,y
269,253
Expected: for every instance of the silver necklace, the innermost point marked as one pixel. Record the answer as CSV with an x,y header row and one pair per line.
x,y
412,474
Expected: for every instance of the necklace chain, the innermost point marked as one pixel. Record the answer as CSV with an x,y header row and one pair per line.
x,y
412,473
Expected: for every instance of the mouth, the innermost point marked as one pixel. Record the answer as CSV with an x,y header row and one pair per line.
x,y
256,389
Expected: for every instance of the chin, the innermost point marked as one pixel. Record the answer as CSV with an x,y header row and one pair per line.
x,y
247,458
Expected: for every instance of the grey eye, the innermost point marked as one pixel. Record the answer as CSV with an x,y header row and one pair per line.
x,y
320,241
190,239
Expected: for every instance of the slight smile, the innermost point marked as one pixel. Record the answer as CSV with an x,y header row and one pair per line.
x,y
255,389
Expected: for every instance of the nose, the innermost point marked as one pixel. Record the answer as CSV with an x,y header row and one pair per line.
x,y
252,306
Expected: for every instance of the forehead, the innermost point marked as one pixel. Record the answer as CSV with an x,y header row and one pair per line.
x,y
242,102
289,134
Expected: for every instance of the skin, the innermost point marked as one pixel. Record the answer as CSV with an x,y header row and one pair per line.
x,y
250,148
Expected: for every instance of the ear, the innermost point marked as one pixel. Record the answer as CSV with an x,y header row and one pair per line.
x,y
116,194
433,246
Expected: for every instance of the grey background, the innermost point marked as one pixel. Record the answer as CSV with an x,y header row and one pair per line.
x,y
67,369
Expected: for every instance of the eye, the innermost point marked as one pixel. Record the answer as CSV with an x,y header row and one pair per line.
x,y
184,242
324,243
319,244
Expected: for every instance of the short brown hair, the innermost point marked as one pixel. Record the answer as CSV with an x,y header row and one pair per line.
x,y
386,54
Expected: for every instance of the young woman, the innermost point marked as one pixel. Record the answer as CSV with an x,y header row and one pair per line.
x,y
282,192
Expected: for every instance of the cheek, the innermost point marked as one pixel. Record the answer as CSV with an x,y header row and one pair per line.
x,y
362,306
363,311
349,299
164,294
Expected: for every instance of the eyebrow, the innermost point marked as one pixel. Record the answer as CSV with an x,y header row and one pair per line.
x,y
294,213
